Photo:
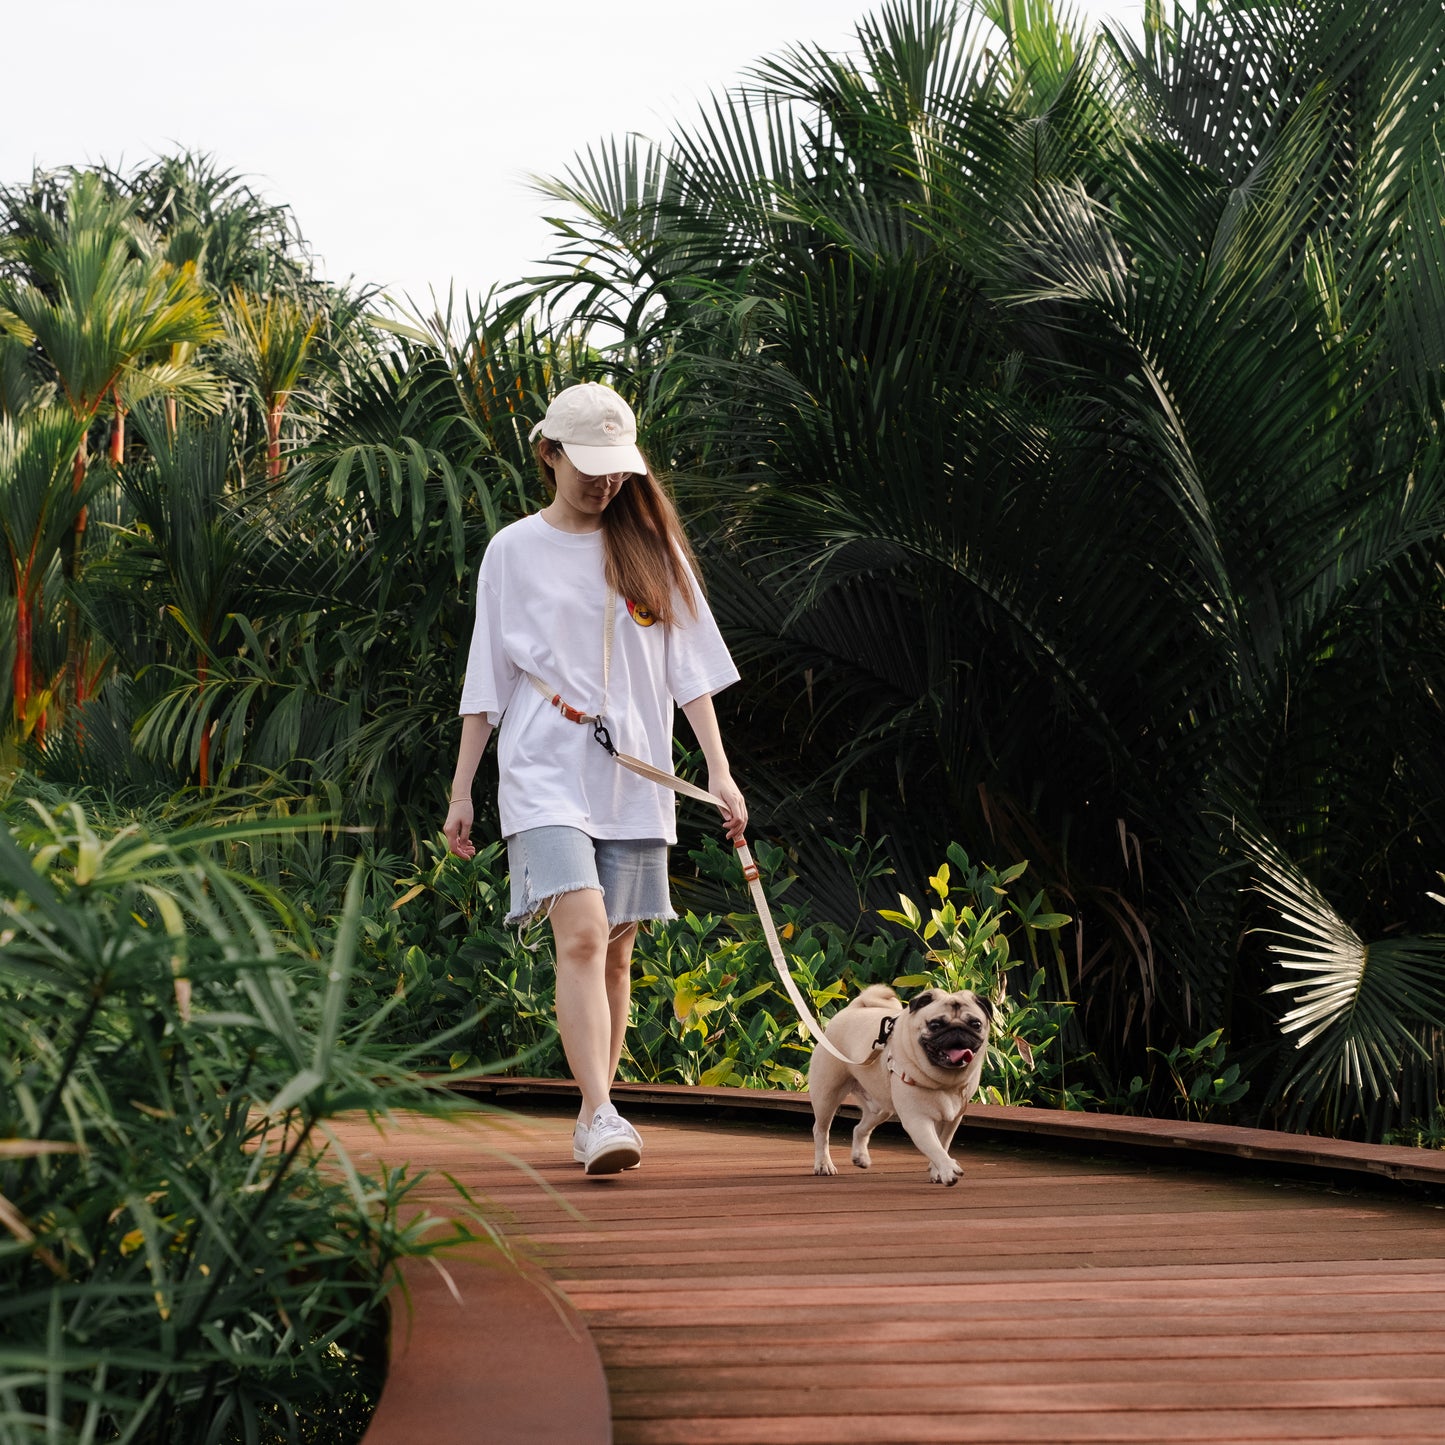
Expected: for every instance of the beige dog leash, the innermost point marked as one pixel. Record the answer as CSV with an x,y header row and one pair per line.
x,y
691,790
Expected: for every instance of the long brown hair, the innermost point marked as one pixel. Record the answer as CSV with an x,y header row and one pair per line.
x,y
647,554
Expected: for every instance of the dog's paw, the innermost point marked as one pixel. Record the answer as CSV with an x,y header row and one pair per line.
x,y
826,1167
950,1176
862,1159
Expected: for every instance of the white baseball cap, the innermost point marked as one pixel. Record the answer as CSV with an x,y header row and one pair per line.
x,y
596,428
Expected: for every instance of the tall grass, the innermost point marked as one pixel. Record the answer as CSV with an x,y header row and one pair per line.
x,y
187,1254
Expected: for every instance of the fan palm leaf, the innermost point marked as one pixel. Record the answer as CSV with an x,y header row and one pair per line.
x,y
1365,1019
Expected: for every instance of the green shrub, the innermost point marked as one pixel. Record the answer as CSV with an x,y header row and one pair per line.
x,y
187,1255
1206,1083
967,942
708,1007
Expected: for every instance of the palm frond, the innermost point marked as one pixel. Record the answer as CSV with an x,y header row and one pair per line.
x,y
1364,1018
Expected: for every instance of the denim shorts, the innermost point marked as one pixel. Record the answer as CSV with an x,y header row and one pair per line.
x,y
630,873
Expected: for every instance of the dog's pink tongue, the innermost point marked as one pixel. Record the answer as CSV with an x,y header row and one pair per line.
x,y
960,1056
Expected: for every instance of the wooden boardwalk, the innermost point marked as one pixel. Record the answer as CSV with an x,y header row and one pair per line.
x,y
733,1297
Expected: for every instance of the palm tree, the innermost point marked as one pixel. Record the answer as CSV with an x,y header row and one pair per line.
x,y
1076,411
270,344
241,245
38,506
88,291
191,554
91,293
234,234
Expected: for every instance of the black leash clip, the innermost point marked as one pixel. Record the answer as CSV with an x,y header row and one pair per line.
x,y
600,733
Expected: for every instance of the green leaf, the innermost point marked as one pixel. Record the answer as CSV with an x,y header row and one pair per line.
x,y
755,992
298,1088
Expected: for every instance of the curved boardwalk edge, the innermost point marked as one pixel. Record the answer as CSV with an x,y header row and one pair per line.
x,y
503,1358
1134,1135
721,1287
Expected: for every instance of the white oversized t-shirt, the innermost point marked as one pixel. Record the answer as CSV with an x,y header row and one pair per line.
x,y
541,599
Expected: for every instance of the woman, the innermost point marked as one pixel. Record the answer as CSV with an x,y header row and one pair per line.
x,y
590,608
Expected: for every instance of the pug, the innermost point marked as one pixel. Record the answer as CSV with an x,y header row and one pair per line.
x,y
920,1063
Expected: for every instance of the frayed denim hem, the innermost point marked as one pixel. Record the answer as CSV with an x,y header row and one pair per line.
x,y
616,923
538,912
534,910
548,863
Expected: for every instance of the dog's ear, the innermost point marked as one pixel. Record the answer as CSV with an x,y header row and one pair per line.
x,y
920,1000
986,1004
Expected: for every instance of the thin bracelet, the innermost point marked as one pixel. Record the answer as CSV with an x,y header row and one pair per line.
x,y
459,800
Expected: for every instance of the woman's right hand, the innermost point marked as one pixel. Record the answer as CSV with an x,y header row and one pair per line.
x,y
458,830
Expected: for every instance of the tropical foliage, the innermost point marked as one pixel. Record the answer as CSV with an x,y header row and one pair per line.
x,y
709,1008
1066,413
1060,417
188,1253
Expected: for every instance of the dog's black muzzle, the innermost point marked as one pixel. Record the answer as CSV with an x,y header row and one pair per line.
x,y
952,1045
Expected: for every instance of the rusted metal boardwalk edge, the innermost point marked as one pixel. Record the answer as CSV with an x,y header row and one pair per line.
x,y
1300,1154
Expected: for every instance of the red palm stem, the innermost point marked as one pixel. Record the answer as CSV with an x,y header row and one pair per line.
x,y
205,751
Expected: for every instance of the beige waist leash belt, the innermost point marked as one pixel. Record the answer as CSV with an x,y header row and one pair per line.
x,y
691,790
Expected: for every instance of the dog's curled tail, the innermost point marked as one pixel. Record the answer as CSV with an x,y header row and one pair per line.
x,y
876,995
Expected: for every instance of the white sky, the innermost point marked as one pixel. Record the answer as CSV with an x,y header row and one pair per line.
x,y
401,134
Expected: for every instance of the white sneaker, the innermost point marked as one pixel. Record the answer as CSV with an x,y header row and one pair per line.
x,y
611,1144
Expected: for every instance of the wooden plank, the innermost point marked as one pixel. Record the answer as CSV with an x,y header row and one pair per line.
x,y
1361,1241
732,1296
1396,1162
855,1189
1206,1428
1060,1302
1068,1233
1369,1271
623,1263
1080,1398
904,1371
740,1347
751,1345
1122,1321
911,1197
1233,1283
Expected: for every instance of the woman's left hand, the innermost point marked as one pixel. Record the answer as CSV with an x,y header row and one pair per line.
x,y
735,810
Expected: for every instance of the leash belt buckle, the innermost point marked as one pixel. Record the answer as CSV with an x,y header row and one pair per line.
x,y
572,714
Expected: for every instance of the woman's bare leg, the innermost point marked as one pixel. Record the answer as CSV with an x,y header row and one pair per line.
x,y
619,991
585,1016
